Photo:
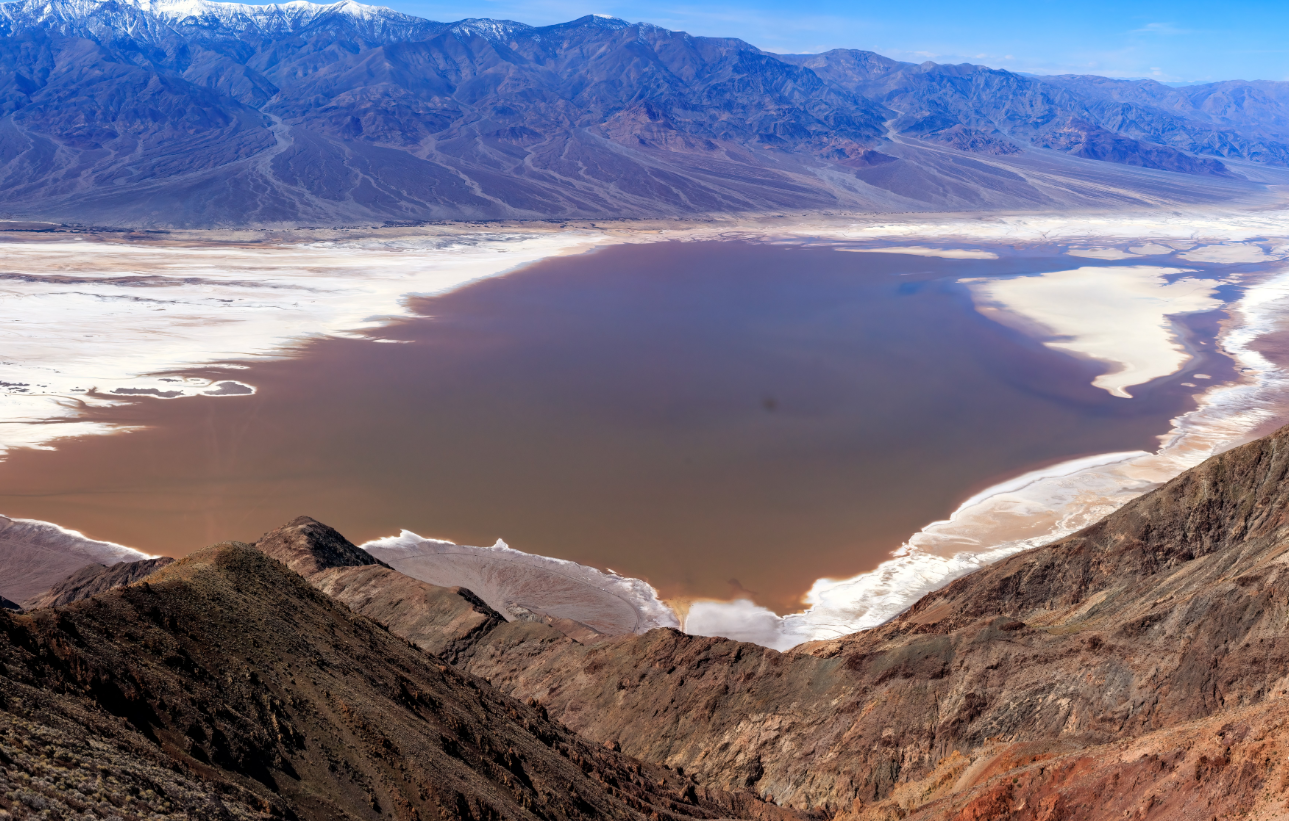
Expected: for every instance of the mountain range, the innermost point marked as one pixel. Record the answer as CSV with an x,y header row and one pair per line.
x,y
1135,669
195,113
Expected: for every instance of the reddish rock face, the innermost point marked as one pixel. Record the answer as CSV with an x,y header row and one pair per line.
x,y
307,546
1172,610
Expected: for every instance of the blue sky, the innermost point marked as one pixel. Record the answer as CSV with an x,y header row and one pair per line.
x,y
1172,41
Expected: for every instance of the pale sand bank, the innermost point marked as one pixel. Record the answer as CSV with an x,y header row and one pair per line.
x,y
1100,253
85,322
1114,315
35,556
523,586
924,251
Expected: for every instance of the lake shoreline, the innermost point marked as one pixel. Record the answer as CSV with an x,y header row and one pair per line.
x,y
826,590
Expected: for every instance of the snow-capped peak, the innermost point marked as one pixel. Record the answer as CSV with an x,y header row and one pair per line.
x,y
234,17
295,12
495,30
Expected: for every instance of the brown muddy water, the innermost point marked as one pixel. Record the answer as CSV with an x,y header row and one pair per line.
x,y
721,419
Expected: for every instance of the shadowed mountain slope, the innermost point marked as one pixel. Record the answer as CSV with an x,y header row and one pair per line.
x,y
244,685
94,579
147,112
1167,618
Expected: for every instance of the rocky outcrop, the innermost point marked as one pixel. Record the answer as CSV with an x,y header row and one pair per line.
x,y
1172,610
230,672
308,547
443,620
94,579
439,620
1083,139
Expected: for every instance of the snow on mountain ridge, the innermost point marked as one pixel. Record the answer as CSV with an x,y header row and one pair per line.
x,y
489,29
137,16
296,11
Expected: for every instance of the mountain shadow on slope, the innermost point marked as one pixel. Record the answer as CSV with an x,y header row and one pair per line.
x,y
94,579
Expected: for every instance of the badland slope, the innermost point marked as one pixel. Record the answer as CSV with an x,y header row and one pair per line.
x,y
199,114
1142,660
224,686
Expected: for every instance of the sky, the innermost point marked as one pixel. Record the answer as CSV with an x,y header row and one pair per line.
x,y
1179,41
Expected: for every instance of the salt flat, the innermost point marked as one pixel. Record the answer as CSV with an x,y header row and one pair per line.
x,y
87,321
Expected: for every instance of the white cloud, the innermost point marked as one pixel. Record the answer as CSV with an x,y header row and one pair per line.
x,y
1160,28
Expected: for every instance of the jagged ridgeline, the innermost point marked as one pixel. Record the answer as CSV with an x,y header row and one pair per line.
x,y
197,113
1135,669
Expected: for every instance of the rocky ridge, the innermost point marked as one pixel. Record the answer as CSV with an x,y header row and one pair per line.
x,y
225,686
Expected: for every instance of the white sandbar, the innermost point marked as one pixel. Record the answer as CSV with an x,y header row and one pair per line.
x,y
925,251
1115,315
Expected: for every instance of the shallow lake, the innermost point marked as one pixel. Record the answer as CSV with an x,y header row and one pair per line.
x,y
722,419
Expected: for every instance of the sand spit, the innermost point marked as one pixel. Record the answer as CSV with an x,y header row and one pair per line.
x,y
924,251
103,320
1114,315
37,555
521,586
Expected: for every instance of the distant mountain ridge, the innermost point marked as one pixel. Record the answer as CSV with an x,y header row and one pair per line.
x,y
197,113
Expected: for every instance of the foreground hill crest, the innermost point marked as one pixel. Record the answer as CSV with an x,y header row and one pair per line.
x,y
225,686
